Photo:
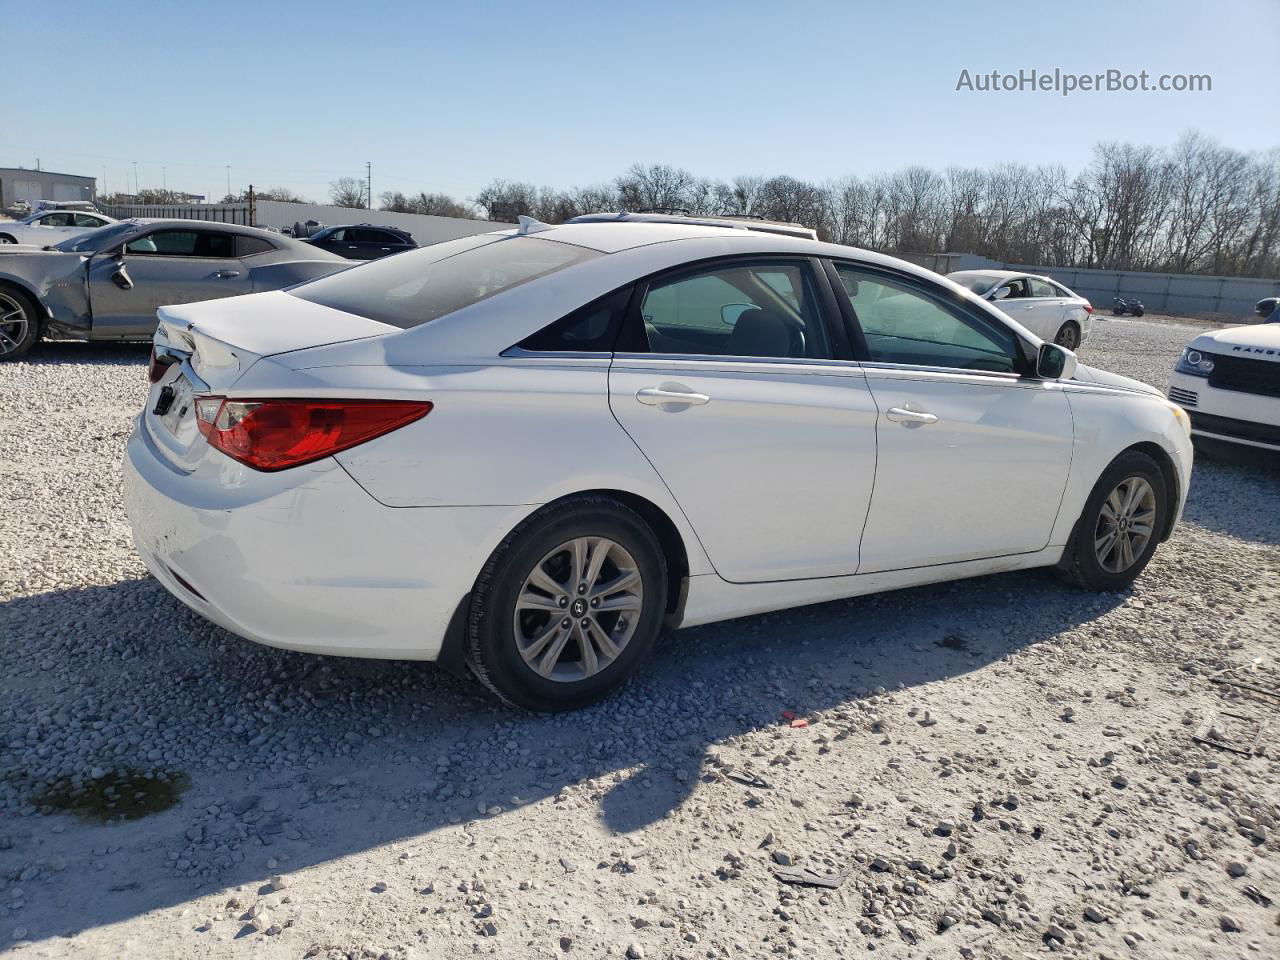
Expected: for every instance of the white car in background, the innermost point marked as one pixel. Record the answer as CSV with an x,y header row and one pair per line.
x,y
1042,305
528,450
1228,380
51,226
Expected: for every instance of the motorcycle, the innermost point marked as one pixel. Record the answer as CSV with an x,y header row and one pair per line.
x,y
1133,308
1268,309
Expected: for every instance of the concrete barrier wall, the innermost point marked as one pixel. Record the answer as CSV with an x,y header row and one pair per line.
x,y
1176,293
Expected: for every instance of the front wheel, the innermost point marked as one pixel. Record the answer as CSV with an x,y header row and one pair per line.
x,y
19,324
7,238
1068,336
568,605
1120,527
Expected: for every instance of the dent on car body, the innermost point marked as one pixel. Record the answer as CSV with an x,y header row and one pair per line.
x,y
59,282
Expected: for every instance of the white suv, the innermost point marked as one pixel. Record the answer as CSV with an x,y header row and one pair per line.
x,y
1228,380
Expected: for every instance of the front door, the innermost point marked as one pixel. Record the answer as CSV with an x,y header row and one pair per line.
x,y
973,456
766,441
166,266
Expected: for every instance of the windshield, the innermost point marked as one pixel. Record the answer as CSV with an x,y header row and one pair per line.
x,y
95,240
978,283
414,288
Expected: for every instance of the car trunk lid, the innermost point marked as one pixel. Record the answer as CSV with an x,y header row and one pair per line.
x,y
211,345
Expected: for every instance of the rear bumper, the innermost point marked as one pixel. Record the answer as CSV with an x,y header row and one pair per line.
x,y
305,559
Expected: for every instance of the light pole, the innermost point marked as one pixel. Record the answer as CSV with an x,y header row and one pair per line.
x,y
228,180
164,178
135,178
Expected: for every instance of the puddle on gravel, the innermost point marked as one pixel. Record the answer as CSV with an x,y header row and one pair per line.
x,y
120,795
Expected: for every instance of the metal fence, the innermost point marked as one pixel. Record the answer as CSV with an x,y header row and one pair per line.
x,y
241,213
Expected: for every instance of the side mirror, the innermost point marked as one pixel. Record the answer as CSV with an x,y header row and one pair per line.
x,y
1000,292
121,276
1055,362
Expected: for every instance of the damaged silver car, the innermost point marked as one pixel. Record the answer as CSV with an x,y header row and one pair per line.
x,y
107,284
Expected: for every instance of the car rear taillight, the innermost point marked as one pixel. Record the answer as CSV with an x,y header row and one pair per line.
x,y
276,434
159,364
1088,308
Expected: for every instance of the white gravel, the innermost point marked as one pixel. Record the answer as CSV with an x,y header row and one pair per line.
x,y
997,768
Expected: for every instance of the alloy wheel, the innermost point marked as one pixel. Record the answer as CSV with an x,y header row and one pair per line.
x,y
1068,337
1125,524
13,324
578,609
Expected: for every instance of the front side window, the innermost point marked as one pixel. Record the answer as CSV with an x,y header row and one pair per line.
x,y
419,286
903,325
56,220
184,243
737,310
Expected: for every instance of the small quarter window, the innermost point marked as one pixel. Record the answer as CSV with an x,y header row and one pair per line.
x,y
590,329
248,246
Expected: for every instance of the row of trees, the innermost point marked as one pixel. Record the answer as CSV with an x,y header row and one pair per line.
x,y
1197,207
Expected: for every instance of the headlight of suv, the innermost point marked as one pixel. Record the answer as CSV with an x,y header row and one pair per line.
x,y
1195,363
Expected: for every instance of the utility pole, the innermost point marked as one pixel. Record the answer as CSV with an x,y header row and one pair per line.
x,y
164,179
135,178
368,185
228,179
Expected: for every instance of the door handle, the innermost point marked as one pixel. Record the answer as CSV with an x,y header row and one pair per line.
x,y
227,274
656,396
1029,306
903,415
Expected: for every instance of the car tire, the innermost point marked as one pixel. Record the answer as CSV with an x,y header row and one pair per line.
x,y
1094,561
529,622
1068,335
7,238
19,335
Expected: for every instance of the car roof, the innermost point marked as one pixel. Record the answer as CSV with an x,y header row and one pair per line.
x,y
729,222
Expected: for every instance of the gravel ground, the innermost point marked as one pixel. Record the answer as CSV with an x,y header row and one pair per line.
x,y
997,768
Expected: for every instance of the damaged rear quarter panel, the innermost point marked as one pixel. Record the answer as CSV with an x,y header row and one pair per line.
x,y
59,282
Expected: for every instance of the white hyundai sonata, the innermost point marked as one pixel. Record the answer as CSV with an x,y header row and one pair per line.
x,y
528,450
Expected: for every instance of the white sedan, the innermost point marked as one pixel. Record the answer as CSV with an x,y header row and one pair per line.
x,y
530,449
51,226
1041,304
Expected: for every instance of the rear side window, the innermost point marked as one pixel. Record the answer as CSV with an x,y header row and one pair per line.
x,y
1042,288
248,246
184,243
420,286
590,329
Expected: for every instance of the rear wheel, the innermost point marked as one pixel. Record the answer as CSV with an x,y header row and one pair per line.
x,y
568,605
7,238
1120,527
19,323
1068,336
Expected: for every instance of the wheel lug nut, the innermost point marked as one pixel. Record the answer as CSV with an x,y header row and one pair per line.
x,y
582,588
565,622
564,601
595,602
586,622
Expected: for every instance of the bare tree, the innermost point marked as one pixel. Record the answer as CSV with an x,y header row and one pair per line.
x,y
347,192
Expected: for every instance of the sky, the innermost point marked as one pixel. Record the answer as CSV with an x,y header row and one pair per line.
x,y
446,97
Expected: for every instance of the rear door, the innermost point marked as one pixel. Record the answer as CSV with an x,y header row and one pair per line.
x,y
973,454
1049,309
742,396
169,265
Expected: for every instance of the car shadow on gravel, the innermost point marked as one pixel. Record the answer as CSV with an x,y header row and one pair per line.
x,y
101,353
308,759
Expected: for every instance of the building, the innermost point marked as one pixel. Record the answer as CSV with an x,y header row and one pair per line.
x,y
19,183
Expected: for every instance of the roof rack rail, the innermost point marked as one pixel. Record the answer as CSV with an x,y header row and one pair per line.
x,y
728,222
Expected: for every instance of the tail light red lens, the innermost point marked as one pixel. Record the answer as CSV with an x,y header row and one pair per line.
x,y
159,364
1088,308
277,434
